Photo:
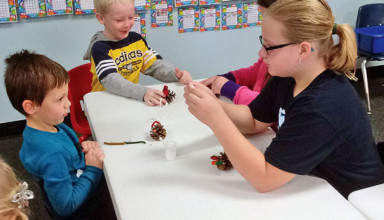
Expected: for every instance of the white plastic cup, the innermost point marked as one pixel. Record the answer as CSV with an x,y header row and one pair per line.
x,y
170,150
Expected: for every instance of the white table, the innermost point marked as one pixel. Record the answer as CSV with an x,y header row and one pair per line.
x,y
369,201
144,185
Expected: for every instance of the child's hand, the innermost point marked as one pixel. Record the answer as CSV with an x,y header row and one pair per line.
x,y
86,145
94,157
208,82
152,97
215,83
183,76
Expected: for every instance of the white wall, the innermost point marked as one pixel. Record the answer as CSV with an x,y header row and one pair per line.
x,y
65,39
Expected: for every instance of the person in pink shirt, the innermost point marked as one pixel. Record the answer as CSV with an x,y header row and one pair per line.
x,y
242,85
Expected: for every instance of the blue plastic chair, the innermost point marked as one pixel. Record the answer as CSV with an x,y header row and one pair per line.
x,y
369,15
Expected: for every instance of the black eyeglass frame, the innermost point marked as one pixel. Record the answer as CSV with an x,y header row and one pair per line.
x,y
273,47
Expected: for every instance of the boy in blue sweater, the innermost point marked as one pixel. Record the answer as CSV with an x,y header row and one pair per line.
x,y
38,88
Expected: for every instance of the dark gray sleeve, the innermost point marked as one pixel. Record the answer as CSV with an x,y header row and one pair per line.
x,y
116,84
162,71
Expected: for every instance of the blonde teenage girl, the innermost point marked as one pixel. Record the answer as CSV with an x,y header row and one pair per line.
x,y
323,128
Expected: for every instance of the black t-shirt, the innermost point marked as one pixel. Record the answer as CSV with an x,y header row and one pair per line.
x,y
324,131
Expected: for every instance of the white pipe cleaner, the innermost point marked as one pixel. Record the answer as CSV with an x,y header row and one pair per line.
x,y
23,196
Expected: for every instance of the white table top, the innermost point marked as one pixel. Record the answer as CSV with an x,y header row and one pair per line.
x,y
144,185
369,201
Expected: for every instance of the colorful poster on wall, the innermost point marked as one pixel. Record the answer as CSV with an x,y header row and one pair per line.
x,y
189,19
141,5
161,13
139,26
59,7
251,15
232,16
210,2
210,18
180,3
84,7
32,9
7,11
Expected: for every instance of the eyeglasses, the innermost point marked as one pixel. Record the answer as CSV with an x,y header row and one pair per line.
x,y
273,47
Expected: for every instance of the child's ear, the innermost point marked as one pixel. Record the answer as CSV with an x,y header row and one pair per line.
x,y
305,49
29,107
100,18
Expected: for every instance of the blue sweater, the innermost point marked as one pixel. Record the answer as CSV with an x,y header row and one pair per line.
x,y
56,158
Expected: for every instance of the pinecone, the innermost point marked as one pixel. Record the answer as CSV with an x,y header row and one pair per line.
x,y
158,131
222,162
170,97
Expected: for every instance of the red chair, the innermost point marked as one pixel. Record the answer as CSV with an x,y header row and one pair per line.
x,y
80,79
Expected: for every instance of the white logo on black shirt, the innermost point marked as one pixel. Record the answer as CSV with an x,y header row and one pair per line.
x,y
281,116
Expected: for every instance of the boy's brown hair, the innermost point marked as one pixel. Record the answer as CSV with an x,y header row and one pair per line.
x,y
265,3
30,76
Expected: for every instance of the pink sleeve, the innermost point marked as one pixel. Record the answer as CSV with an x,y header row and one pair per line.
x,y
244,96
246,76
251,80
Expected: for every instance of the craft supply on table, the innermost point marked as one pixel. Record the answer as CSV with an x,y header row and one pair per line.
x,y
169,95
124,142
221,161
158,132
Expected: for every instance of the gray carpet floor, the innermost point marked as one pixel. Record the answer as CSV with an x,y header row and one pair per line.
x,y
10,146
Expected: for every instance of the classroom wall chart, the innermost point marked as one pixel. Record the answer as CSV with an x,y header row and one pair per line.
x,y
141,5
189,19
32,9
193,15
83,7
251,15
210,2
8,11
232,16
139,26
180,3
210,18
59,7
161,13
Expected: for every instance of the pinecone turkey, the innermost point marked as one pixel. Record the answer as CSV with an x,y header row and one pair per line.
x,y
158,131
169,95
222,161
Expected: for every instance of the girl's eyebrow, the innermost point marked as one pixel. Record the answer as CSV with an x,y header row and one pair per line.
x,y
265,40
